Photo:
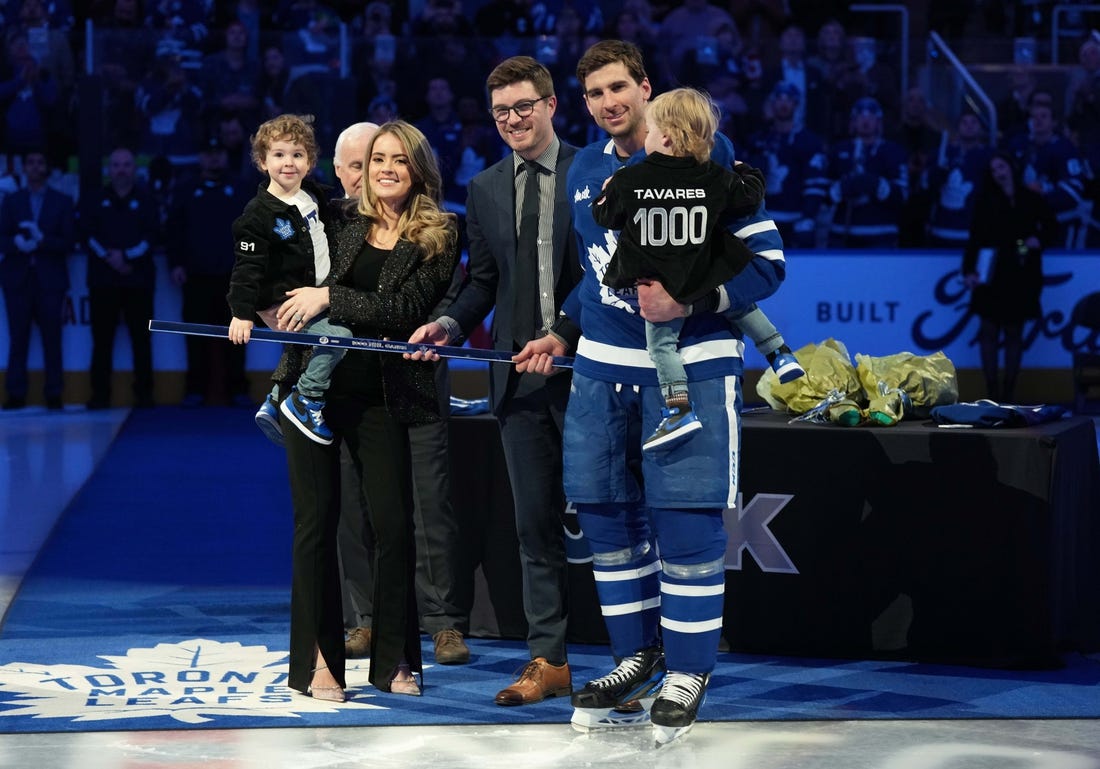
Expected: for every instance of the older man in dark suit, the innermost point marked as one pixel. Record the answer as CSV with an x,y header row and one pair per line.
x,y
523,262
36,238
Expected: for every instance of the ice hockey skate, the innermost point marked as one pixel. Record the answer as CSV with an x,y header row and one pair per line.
x,y
623,697
677,705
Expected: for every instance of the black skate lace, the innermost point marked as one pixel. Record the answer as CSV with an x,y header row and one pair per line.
x,y
681,688
622,672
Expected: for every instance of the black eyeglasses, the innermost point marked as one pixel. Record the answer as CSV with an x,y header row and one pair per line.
x,y
521,108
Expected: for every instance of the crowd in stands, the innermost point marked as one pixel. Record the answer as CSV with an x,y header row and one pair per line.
x,y
809,91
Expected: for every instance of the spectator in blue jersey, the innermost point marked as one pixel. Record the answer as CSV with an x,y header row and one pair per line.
x,y
953,178
868,179
654,523
793,161
1052,166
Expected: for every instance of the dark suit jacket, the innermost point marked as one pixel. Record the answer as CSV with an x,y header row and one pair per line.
x,y
51,258
491,229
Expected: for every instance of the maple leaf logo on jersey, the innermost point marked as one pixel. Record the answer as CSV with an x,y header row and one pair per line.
x,y
283,228
955,191
599,256
192,681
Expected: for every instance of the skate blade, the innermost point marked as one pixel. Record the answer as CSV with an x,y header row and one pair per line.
x,y
595,719
666,734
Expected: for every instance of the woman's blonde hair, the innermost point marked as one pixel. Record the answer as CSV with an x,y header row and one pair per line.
x,y
296,129
689,118
423,221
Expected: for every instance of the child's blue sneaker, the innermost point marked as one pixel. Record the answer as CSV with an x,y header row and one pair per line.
x,y
787,367
677,426
267,419
305,414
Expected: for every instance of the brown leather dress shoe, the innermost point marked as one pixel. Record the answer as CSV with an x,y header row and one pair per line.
x,y
357,643
537,681
450,649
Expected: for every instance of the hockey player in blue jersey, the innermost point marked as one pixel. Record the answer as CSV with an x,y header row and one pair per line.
x,y
655,524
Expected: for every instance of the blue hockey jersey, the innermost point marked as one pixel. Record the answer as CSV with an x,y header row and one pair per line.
x,y
869,184
794,165
954,182
613,344
1056,170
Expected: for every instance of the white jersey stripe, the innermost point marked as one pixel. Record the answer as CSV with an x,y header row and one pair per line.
x,y
625,574
693,590
715,349
734,433
774,254
703,626
755,228
619,609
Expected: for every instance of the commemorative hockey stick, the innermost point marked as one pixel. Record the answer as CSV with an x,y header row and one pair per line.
x,y
351,343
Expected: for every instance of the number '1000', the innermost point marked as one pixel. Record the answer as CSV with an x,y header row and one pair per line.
x,y
676,226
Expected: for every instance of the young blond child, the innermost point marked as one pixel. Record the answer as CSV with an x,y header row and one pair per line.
x,y
280,244
674,210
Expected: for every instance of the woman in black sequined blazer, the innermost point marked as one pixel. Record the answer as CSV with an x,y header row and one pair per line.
x,y
393,257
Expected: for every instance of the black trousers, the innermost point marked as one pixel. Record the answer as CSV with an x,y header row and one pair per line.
x,y
444,575
134,305
379,450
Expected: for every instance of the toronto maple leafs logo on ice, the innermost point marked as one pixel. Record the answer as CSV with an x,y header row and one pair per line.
x,y
191,681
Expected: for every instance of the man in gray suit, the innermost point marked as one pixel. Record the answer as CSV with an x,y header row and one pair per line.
x,y
523,263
